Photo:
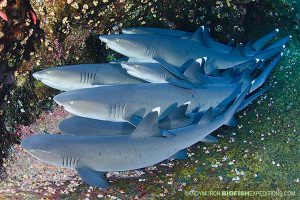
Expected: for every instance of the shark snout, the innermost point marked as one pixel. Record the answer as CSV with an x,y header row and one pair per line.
x,y
61,99
130,67
27,144
38,75
105,38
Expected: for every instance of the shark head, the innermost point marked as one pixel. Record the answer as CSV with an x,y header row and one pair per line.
x,y
42,147
130,45
90,103
151,72
61,78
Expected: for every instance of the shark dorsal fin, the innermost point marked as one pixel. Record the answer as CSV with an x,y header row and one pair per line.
x,y
198,35
237,50
207,117
148,127
179,113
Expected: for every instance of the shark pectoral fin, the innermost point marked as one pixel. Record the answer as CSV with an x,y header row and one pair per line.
x,y
232,122
170,68
135,120
180,155
193,71
186,65
92,177
181,83
210,139
148,127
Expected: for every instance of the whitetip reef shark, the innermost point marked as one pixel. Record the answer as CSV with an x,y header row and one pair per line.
x,y
93,156
175,51
203,36
130,103
73,77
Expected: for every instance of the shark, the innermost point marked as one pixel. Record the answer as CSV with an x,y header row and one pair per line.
x,y
202,35
194,73
74,77
130,103
177,117
80,126
175,51
93,156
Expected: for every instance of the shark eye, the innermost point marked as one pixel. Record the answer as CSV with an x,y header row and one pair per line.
x,y
71,102
118,40
32,151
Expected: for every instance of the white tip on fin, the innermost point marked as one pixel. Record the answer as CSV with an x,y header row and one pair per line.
x,y
281,54
157,109
199,60
257,60
205,59
187,103
283,46
277,30
290,36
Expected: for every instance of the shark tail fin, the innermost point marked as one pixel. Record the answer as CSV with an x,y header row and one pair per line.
x,y
269,53
232,109
259,81
264,40
245,65
280,42
251,98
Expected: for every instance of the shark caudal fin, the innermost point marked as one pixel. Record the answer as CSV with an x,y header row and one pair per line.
x,y
232,109
245,65
269,53
264,40
252,97
280,42
259,81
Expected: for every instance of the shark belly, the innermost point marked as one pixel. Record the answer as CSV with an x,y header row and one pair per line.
x,y
123,154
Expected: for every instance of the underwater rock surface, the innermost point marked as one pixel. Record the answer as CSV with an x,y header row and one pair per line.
x,y
263,152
